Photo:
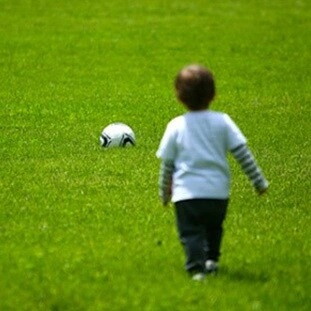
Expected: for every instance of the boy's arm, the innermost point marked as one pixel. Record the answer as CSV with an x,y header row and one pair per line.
x,y
165,181
245,158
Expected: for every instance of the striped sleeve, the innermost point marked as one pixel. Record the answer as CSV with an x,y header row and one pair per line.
x,y
246,159
165,181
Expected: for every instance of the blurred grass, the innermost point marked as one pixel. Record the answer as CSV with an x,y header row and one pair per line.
x,y
81,228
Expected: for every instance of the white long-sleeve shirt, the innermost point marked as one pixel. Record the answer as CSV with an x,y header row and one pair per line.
x,y
194,151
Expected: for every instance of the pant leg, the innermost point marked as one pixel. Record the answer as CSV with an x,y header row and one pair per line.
x,y
216,213
213,238
191,235
199,224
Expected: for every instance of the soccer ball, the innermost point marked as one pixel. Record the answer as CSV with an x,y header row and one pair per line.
x,y
117,135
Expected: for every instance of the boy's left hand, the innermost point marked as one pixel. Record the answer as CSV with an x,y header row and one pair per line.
x,y
165,201
165,198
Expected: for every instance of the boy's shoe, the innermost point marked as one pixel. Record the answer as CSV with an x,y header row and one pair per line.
x,y
198,276
211,266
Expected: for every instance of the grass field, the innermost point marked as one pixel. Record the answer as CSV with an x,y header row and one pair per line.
x,y
82,228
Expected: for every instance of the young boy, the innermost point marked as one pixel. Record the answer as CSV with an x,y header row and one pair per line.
x,y
194,172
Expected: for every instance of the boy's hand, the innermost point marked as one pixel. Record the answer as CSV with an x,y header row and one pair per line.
x,y
262,191
165,199
165,181
262,187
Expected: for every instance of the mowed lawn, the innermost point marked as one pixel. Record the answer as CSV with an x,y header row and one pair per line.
x,y
81,228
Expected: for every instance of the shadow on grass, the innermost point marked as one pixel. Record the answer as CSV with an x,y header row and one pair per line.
x,y
244,275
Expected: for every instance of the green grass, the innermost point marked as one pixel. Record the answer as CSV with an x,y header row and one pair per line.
x,y
82,228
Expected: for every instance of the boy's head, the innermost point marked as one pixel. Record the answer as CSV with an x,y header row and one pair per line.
x,y
195,87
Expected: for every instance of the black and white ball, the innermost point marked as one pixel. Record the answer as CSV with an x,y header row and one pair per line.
x,y
117,135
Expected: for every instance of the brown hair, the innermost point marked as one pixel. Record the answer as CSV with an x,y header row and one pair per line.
x,y
195,87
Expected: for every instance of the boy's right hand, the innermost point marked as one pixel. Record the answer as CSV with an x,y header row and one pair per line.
x,y
262,187
262,191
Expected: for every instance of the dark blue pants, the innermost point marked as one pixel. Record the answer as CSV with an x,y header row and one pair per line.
x,y
199,223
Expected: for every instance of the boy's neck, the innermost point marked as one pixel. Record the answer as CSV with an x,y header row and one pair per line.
x,y
198,110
